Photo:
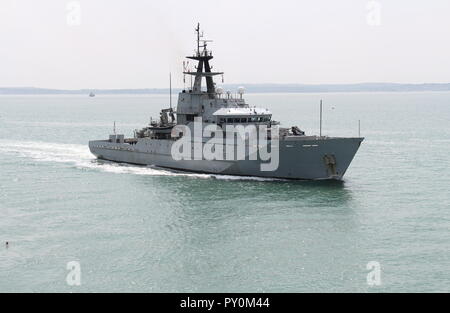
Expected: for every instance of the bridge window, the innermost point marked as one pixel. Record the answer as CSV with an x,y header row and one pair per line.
x,y
190,117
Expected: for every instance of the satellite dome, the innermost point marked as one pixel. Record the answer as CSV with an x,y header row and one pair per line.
x,y
241,90
219,90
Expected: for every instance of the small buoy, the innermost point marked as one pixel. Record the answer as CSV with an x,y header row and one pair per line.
x,y
7,244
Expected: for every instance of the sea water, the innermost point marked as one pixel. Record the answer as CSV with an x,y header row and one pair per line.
x,y
140,228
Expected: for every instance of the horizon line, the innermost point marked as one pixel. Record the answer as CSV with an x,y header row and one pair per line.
x,y
234,84
251,88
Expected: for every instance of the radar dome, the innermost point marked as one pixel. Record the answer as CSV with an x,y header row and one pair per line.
x,y
219,90
241,90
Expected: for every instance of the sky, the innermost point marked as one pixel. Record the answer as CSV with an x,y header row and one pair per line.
x,y
136,43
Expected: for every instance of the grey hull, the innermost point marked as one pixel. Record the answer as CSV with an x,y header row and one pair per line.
x,y
298,159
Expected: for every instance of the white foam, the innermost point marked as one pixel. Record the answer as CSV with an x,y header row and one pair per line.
x,y
80,157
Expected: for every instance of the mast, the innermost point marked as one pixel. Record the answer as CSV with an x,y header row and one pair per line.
x,y
320,127
198,38
202,55
170,90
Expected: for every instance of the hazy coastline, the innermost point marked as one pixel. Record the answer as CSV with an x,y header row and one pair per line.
x,y
251,88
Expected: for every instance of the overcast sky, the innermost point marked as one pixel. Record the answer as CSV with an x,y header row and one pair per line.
x,y
136,43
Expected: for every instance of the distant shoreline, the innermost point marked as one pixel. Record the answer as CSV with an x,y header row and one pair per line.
x,y
250,88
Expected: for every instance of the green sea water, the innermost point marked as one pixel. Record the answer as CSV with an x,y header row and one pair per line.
x,y
143,229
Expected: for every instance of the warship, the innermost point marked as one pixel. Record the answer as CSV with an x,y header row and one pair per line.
x,y
217,132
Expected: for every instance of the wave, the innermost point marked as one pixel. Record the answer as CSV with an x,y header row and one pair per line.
x,y
80,157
